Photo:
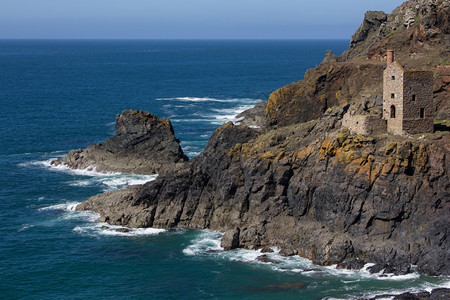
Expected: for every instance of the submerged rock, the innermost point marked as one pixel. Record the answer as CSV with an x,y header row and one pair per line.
x,y
143,144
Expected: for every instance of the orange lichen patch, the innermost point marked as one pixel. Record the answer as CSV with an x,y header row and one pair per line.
x,y
280,155
421,157
267,156
346,157
366,170
328,148
305,153
375,172
388,166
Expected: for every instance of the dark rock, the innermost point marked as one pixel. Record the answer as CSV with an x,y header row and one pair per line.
x,y
411,296
230,239
143,144
367,33
123,230
440,294
377,268
436,294
266,259
355,264
267,250
304,184
287,252
253,117
397,269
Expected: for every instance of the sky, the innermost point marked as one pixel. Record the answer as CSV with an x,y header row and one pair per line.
x,y
185,19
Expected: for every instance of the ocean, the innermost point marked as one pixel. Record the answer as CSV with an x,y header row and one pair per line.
x,y
60,95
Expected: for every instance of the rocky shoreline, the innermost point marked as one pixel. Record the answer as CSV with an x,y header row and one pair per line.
x,y
291,176
310,188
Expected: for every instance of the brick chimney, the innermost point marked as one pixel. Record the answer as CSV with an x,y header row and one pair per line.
x,y
390,57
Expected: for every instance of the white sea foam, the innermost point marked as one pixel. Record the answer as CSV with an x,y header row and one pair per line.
x,y
68,212
68,206
25,227
109,181
99,229
114,181
132,231
207,242
230,114
201,99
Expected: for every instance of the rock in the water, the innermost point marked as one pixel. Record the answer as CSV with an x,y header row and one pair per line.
x,y
143,144
354,264
436,294
230,239
266,259
393,267
267,250
287,252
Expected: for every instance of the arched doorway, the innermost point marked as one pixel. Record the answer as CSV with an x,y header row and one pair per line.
x,y
392,111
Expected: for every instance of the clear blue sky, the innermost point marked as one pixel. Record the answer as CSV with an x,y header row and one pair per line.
x,y
185,19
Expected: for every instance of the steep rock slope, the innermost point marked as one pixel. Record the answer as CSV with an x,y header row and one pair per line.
x,y
419,33
327,195
143,144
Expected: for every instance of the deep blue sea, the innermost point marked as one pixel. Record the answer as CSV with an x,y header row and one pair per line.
x,y
60,95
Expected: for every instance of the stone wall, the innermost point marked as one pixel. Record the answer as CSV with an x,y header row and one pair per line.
x,y
393,96
418,115
364,124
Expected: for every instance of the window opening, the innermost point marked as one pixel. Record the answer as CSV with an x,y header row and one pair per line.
x,y
392,96
422,113
413,97
392,112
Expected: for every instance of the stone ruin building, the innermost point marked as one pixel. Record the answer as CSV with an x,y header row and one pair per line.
x,y
407,104
407,99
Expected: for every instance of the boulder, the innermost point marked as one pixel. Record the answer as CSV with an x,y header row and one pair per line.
x,y
355,264
230,239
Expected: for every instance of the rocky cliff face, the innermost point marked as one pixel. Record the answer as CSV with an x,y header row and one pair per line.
x,y
307,185
419,33
329,84
323,193
143,144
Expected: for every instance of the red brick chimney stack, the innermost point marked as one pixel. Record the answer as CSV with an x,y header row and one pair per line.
x,y
390,57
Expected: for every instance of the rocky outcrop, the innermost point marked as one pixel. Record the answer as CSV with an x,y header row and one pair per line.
x,y
418,30
419,33
326,194
253,117
143,144
323,87
306,185
436,294
369,32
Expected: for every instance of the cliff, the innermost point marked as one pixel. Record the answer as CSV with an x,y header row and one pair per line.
x,y
305,184
419,33
321,192
143,144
